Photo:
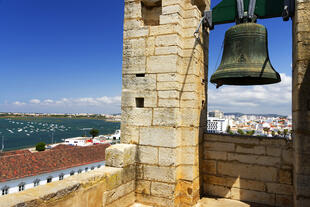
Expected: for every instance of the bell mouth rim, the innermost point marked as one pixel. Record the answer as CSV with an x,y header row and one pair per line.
x,y
245,81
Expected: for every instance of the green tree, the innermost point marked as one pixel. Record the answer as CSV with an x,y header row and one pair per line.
x,y
228,129
40,146
266,130
250,133
285,132
273,133
94,132
240,131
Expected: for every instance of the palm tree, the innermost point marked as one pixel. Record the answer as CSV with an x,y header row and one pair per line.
x,y
94,132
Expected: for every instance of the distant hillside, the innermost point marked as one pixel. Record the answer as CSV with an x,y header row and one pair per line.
x,y
238,114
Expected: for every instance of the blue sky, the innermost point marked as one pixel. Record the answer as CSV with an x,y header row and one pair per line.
x,y
66,56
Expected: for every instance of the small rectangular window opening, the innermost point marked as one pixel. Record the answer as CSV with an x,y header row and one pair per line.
x,y
151,11
140,102
140,75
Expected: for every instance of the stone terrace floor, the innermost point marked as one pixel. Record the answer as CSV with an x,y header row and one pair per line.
x,y
214,202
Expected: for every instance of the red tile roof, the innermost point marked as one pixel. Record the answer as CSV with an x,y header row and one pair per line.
x,y
8,153
30,164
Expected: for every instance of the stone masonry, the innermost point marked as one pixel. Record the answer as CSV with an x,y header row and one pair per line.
x,y
163,97
301,102
250,169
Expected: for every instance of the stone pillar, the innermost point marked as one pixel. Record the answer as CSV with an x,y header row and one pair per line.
x,y
301,102
163,97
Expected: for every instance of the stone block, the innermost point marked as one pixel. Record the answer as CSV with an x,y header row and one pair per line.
x,y
129,135
168,103
162,189
136,116
160,174
255,159
148,155
189,136
168,40
209,167
284,200
136,33
247,171
131,81
132,10
272,151
234,182
134,47
150,49
159,136
173,94
163,64
154,200
129,97
167,156
170,50
143,187
169,77
187,172
279,188
172,9
230,139
119,192
165,29
187,155
174,18
214,155
120,155
131,24
113,177
168,86
285,176
216,190
190,117
287,156
250,149
253,196
128,173
126,200
134,65
219,146
166,117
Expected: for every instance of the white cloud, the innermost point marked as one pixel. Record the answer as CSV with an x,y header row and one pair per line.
x,y
48,101
34,101
18,103
86,101
275,98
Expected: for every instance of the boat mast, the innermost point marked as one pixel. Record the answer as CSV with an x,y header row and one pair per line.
x,y
2,148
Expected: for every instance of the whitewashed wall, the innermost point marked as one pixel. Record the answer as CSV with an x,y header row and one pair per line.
x,y
29,181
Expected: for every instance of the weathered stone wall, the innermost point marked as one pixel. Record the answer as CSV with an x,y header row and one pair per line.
x,y
250,169
106,186
163,97
301,102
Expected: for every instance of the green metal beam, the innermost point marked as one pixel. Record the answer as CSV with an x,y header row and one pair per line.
x,y
226,10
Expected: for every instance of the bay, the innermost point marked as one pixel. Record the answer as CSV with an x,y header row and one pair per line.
x,y
26,132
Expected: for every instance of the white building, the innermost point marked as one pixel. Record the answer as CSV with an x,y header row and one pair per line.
x,y
216,125
25,170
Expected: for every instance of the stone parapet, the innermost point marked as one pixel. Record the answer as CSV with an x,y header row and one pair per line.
x,y
253,169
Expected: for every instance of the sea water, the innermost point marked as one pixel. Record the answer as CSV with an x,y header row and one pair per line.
x,y
26,132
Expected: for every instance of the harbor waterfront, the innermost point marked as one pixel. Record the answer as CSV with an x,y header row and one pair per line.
x,y
23,132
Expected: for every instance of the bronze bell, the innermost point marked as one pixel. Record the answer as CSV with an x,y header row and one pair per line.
x,y
245,58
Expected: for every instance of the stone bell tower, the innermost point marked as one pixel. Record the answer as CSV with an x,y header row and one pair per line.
x,y
163,97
